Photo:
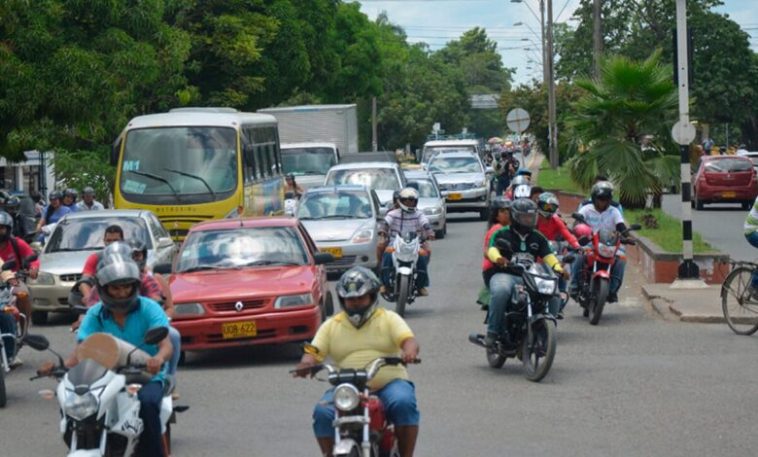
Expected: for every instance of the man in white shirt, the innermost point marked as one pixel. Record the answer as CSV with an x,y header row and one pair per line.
x,y
88,202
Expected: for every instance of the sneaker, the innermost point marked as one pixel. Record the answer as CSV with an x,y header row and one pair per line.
x,y
422,292
490,340
559,316
613,297
383,290
14,363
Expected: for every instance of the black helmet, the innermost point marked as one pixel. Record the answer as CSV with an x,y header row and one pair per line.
x,y
13,203
523,214
7,221
357,282
88,191
500,202
118,270
601,190
55,194
138,245
71,192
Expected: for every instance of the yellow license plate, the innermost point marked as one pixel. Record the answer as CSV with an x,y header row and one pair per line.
x,y
455,196
238,330
335,252
729,194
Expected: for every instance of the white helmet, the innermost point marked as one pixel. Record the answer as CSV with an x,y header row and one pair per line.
x,y
522,191
408,199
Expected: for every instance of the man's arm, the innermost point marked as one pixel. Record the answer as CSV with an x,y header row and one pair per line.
x,y
410,349
565,232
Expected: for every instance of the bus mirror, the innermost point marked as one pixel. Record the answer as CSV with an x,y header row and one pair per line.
x,y
115,148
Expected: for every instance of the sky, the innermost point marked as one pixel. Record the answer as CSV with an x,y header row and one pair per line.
x,y
436,22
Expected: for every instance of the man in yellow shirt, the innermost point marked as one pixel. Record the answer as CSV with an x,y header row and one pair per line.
x,y
355,337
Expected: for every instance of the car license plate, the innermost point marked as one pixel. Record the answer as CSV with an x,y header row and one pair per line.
x,y
239,330
729,194
454,196
335,252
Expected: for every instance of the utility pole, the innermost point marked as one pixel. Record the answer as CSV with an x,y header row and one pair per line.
x,y
544,47
552,128
597,37
374,137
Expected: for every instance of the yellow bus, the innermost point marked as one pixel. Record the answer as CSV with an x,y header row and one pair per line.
x,y
194,164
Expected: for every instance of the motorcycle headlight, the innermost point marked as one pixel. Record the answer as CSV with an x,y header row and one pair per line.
x,y
286,301
405,252
80,407
43,279
546,286
346,397
433,211
605,250
363,236
188,309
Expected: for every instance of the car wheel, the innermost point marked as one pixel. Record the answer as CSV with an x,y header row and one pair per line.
x,y
439,234
484,214
698,203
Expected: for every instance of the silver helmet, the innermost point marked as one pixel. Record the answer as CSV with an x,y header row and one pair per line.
x,y
357,282
7,221
118,270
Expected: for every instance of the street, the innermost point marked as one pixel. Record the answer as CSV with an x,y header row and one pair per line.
x,y
635,385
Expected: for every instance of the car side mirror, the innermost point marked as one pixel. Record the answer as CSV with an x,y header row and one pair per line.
x,y
165,242
162,268
321,258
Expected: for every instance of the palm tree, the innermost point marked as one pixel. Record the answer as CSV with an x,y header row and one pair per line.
x,y
622,124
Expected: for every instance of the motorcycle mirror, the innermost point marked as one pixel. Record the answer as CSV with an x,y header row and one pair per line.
x,y
503,246
155,335
635,227
37,342
9,265
578,217
27,261
162,268
584,241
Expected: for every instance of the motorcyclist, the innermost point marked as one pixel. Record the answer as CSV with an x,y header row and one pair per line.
x,y
601,215
125,314
8,323
522,239
54,210
69,198
614,203
504,171
362,332
16,249
400,221
23,221
88,202
520,180
500,217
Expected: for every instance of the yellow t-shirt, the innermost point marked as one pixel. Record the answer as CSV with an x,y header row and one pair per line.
x,y
381,336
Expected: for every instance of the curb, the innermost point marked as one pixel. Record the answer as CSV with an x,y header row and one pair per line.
x,y
670,309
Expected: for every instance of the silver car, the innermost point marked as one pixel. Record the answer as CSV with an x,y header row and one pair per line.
x,y
77,236
342,220
431,201
383,177
462,181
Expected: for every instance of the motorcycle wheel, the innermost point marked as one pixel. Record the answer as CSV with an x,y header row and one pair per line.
x,y
402,295
495,359
600,290
3,399
538,355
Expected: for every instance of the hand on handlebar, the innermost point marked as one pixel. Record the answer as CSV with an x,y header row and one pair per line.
x,y
502,261
153,365
303,370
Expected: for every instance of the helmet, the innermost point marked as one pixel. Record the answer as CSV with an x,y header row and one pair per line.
x,y
55,194
583,232
395,196
547,205
524,172
71,192
601,189
523,214
500,203
522,191
118,270
519,180
88,191
7,221
408,195
138,245
13,203
357,282
118,248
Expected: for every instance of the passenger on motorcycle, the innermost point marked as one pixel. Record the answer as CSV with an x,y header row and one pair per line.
x,y
601,215
523,239
54,210
112,234
516,182
500,216
88,202
362,332
16,249
504,170
408,219
69,198
126,315
549,223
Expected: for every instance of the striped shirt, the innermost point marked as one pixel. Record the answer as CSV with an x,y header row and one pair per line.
x,y
400,222
751,221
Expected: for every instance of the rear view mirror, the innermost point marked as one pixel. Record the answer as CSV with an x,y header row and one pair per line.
x,y
155,335
165,242
9,265
578,217
37,342
635,227
27,261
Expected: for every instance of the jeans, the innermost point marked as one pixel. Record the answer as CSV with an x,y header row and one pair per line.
x,y
398,398
150,397
422,277
501,184
617,273
8,325
176,343
501,290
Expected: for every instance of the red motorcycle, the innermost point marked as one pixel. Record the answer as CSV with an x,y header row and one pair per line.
x,y
361,428
600,251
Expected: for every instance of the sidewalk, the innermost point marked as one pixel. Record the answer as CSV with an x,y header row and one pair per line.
x,y
688,305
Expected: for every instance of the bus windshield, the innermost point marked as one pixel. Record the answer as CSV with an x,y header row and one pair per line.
x,y
308,161
179,164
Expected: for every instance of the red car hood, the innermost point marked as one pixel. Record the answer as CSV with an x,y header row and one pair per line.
x,y
216,285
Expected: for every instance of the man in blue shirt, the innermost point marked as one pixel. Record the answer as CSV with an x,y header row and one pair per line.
x,y
126,315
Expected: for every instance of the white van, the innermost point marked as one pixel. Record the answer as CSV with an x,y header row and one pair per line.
x,y
309,162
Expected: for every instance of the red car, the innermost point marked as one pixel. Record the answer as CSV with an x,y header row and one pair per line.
x,y
238,282
724,179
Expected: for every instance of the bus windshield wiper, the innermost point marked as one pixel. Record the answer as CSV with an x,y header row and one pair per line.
x,y
199,178
157,178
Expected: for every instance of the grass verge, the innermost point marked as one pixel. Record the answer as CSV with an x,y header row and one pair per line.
x,y
668,235
556,179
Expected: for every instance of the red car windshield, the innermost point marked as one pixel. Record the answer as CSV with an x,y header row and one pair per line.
x,y
728,165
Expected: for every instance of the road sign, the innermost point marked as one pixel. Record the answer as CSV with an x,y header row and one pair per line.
x,y
517,120
683,133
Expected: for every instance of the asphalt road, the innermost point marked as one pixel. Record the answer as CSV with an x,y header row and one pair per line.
x,y
636,385
719,224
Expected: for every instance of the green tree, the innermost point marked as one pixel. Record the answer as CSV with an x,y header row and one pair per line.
x,y
623,124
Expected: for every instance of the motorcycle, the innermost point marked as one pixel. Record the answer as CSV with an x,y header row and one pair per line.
x,y
530,328
405,252
99,405
361,428
595,275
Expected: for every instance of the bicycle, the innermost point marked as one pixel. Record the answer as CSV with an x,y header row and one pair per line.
x,y
741,314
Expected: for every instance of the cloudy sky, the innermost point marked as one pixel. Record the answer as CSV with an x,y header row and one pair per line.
x,y
437,21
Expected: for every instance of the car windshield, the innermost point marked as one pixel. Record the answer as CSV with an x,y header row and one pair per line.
x,y
442,164
431,151
308,161
728,165
374,178
426,189
241,247
180,161
339,204
86,234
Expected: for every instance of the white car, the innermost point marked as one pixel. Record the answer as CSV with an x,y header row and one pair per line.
x,y
383,177
431,202
463,182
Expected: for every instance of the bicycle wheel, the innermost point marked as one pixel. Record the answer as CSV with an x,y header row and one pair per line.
x,y
740,310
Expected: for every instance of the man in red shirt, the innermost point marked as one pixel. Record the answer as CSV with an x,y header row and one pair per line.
x,y
15,249
549,223
113,233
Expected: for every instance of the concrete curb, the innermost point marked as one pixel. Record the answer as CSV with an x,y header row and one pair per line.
x,y
699,307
